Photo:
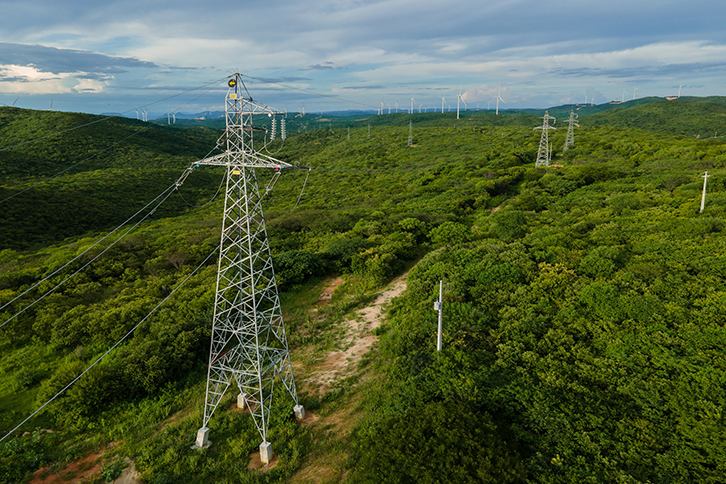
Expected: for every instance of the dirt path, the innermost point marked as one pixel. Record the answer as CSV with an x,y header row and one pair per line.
x,y
357,340
332,431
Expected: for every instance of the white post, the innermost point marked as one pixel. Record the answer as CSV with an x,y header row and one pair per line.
x,y
440,307
703,197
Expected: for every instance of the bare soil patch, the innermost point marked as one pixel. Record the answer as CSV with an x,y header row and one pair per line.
x,y
81,470
358,340
256,462
129,475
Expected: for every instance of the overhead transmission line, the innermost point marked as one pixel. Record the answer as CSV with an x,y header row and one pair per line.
x,y
103,150
105,118
307,91
74,165
166,194
98,360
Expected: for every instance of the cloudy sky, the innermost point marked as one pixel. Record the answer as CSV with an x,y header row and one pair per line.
x,y
117,56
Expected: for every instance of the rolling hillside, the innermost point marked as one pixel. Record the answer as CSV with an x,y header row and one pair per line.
x,y
583,337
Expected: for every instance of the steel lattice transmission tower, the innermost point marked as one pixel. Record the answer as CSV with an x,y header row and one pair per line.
x,y
570,138
249,345
543,154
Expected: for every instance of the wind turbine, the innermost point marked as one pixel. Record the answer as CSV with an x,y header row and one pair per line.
x,y
412,100
499,98
459,98
634,89
679,90
396,107
443,99
623,97
419,108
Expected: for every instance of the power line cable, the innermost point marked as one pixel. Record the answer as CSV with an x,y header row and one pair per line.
x,y
303,189
99,153
168,193
74,165
98,360
267,81
219,188
105,118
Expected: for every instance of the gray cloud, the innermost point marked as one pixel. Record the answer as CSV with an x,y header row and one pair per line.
x,y
54,60
636,72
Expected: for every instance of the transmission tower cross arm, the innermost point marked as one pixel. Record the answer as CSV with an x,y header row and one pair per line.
x,y
247,160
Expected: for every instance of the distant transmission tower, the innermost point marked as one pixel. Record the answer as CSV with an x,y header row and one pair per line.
x,y
543,154
249,345
570,138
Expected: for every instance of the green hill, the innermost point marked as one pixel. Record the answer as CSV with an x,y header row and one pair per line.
x,y
583,337
697,117
87,172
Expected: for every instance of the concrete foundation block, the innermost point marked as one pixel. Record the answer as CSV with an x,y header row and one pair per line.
x,y
202,438
241,403
266,452
299,412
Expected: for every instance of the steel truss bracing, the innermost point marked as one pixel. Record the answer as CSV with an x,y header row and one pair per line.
x,y
249,346
570,138
543,154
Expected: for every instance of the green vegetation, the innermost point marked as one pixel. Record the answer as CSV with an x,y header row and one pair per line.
x,y
583,341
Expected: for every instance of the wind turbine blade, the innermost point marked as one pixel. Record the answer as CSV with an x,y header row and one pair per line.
x,y
16,100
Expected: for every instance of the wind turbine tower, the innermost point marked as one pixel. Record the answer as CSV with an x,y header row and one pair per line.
x,y
459,98
411,111
499,98
443,100
543,154
249,345
570,138
634,90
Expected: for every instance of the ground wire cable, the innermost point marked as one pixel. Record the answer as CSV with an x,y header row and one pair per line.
x,y
74,165
105,118
98,360
168,192
267,81
99,153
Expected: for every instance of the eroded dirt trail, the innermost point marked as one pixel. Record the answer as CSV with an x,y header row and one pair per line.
x,y
332,429
357,340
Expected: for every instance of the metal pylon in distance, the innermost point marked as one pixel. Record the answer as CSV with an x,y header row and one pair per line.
x,y
249,345
543,154
570,138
